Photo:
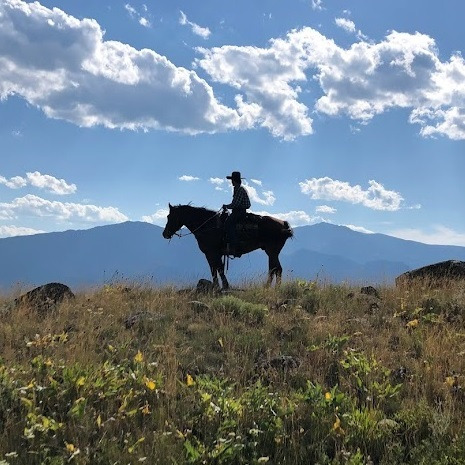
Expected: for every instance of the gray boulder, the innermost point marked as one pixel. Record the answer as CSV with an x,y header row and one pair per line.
x,y
45,297
437,273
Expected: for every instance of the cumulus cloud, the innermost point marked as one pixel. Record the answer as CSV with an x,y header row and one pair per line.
x,y
50,183
346,24
375,197
325,209
263,198
256,181
32,205
41,181
64,66
293,217
203,32
11,231
16,182
141,17
158,218
366,79
438,235
317,4
188,178
218,183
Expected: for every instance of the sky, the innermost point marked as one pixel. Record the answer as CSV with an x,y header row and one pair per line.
x,y
345,111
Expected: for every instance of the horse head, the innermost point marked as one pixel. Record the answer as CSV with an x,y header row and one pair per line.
x,y
174,223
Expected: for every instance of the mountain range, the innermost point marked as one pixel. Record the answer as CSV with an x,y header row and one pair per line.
x,y
136,251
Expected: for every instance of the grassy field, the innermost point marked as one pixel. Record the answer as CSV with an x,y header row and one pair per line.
x,y
305,374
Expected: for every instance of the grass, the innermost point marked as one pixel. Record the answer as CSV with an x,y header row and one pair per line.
x,y
305,374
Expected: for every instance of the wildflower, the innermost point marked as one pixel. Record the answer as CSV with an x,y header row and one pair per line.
x,y
99,421
412,324
145,409
70,447
139,358
149,383
451,381
189,380
80,381
328,396
337,426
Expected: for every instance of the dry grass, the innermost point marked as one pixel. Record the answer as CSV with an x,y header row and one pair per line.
x,y
326,375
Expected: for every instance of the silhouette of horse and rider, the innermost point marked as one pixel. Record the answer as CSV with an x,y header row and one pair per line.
x,y
234,234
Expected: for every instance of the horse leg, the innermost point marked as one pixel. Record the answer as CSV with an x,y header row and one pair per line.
x,y
217,267
274,267
213,270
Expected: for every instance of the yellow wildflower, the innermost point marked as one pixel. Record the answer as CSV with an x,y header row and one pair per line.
x,y
337,426
412,324
189,380
149,383
328,396
139,358
99,421
70,447
451,381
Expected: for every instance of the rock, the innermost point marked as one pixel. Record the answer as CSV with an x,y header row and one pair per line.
x,y
142,317
204,286
437,273
369,290
46,297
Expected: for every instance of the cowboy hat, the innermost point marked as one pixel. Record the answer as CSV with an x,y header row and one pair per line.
x,y
235,175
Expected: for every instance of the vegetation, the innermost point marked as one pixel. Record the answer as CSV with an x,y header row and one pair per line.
x,y
305,374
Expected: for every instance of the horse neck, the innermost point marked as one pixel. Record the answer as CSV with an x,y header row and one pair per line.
x,y
195,218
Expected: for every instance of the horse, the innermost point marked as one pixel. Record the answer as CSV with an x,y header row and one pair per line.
x,y
258,232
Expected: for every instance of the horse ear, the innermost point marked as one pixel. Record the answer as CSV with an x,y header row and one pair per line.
x,y
170,206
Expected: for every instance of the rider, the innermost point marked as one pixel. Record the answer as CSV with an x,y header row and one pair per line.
x,y
238,206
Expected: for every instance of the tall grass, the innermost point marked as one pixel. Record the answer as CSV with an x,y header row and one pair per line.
x,y
304,374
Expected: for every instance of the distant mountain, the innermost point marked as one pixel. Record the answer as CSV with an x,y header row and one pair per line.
x,y
137,251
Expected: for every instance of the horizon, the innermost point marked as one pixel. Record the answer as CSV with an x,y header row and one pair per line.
x,y
340,112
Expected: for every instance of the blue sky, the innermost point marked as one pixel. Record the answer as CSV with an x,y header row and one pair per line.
x,y
345,111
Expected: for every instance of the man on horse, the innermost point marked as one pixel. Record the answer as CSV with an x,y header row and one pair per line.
x,y
238,206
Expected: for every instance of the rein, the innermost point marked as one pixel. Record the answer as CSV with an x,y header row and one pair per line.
x,y
198,227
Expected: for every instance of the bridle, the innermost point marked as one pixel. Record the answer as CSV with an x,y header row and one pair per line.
x,y
197,228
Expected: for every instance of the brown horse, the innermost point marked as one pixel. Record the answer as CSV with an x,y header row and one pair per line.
x,y
259,232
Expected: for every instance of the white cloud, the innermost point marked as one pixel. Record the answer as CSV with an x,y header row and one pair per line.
x,y
11,231
360,229
32,205
325,209
256,181
158,218
439,235
317,4
42,181
375,197
263,198
188,178
346,24
142,19
50,183
294,217
64,66
15,182
217,181
203,32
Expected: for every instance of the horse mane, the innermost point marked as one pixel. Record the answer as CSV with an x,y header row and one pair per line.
x,y
200,212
